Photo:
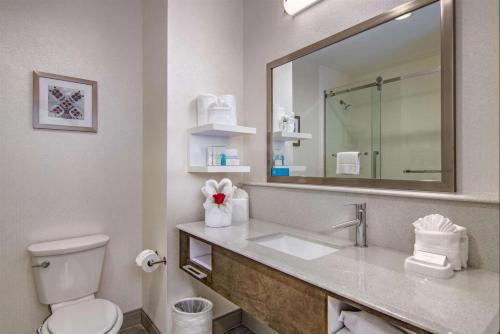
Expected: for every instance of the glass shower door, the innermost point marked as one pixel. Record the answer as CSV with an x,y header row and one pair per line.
x,y
352,123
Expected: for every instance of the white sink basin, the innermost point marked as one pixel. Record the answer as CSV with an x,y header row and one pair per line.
x,y
301,248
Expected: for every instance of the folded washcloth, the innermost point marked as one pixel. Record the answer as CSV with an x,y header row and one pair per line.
x,y
348,163
436,223
437,234
361,322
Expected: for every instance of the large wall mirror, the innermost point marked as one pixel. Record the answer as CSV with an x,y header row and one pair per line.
x,y
372,106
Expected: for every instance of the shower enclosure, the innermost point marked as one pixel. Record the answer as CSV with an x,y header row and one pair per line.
x,y
393,122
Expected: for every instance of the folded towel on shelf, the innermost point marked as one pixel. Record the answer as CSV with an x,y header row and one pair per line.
x,y
348,163
362,322
335,307
437,234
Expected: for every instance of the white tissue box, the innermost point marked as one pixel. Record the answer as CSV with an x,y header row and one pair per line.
x,y
240,210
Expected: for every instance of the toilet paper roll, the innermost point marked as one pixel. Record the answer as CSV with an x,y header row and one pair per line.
x,y
144,257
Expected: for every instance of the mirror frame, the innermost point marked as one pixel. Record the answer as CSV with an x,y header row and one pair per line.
x,y
448,163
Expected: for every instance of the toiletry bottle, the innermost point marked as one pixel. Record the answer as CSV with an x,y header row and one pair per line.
x,y
223,159
282,157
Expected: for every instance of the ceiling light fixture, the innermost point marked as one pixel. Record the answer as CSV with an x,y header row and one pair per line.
x,y
293,7
402,17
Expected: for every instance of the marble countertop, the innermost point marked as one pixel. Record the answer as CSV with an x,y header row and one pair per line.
x,y
467,303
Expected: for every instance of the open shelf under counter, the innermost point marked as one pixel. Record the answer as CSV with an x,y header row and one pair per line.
x,y
219,169
222,130
291,136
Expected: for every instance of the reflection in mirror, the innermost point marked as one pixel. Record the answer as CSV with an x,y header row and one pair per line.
x,y
369,106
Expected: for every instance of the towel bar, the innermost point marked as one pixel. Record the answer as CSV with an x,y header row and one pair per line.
x,y
406,171
360,153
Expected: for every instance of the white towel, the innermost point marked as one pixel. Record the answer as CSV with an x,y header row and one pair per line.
x,y
344,330
364,323
437,234
334,308
348,163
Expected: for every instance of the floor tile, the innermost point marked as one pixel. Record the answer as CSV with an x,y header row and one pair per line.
x,y
137,329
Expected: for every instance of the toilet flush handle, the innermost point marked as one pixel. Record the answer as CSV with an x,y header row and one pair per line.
x,y
44,264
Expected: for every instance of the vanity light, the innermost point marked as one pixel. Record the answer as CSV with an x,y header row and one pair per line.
x,y
402,17
293,7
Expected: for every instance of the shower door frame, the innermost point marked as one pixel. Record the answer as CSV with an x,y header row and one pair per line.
x,y
448,160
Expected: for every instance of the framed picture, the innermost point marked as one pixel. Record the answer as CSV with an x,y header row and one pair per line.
x,y
64,103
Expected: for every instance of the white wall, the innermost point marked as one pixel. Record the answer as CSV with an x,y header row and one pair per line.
x,y
205,55
154,285
270,35
57,184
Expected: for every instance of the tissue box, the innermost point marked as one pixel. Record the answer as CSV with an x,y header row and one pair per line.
x,y
240,210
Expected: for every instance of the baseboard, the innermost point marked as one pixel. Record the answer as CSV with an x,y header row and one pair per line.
x,y
226,322
131,318
148,324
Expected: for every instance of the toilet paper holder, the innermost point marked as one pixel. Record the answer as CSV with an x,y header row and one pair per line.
x,y
152,263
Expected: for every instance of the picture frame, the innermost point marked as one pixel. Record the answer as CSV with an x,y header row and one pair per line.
x,y
64,103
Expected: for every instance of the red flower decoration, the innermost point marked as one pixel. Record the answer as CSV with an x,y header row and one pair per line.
x,y
219,198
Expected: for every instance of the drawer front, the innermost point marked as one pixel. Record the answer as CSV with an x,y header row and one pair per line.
x,y
286,304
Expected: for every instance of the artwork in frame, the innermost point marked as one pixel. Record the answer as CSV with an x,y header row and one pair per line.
x,y
64,103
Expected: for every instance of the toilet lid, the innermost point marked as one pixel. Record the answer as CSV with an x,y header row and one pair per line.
x,y
95,316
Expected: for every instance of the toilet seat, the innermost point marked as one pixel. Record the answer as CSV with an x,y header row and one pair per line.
x,y
95,316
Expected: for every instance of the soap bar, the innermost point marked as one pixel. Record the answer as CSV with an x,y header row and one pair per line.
x,y
436,259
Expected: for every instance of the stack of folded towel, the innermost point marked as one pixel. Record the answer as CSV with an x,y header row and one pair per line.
x,y
437,234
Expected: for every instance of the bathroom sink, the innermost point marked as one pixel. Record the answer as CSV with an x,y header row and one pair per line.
x,y
298,247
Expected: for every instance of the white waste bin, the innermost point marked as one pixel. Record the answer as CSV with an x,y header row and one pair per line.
x,y
193,316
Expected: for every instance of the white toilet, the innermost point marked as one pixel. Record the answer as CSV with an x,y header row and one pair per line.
x,y
67,274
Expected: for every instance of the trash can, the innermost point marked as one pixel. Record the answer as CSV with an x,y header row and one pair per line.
x,y
193,316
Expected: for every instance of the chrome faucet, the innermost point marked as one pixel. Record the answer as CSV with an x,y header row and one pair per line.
x,y
359,222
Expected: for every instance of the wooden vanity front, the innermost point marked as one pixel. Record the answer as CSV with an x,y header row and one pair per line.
x,y
285,303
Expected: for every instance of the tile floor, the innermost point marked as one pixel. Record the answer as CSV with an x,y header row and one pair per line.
x,y
138,329
239,330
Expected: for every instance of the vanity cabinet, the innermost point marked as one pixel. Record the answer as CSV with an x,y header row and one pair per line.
x,y
285,303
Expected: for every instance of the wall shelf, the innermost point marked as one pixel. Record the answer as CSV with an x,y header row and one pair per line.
x,y
293,168
291,136
219,169
201,137
222,130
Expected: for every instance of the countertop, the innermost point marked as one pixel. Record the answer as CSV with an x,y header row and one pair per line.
x,y
467,303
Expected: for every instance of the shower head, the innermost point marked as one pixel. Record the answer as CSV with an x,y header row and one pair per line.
x,y
345,106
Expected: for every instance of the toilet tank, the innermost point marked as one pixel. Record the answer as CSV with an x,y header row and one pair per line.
x,y
74,267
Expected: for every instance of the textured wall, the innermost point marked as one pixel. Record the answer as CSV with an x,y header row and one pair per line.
x,y
205,55
57,184
154,285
